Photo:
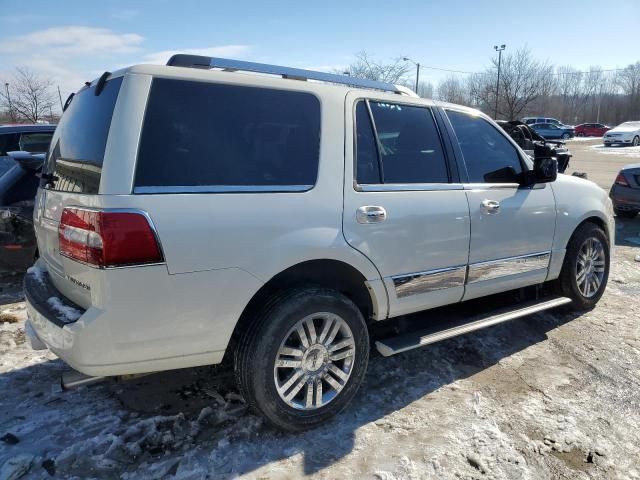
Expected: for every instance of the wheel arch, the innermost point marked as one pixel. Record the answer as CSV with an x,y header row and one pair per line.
x,y
328,273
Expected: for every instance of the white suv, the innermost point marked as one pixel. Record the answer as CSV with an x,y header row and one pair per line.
x,y
200,211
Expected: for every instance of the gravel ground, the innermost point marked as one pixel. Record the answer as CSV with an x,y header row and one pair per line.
x,y
553,395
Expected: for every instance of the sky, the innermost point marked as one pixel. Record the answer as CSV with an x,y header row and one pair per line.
x,y
75,41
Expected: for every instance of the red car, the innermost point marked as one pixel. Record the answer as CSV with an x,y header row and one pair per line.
x,y
591,129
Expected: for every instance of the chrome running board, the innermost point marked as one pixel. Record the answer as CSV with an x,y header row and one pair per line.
x,y
409,341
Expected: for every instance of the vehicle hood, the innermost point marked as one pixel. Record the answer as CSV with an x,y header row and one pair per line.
x,y
624,130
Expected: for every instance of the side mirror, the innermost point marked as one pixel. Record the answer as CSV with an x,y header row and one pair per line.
x,y
545,166
28,160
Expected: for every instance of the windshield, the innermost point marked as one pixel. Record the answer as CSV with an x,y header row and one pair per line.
x,y
77,149
630,124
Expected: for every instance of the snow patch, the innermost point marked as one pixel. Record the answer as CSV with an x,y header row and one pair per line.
x,y
64,312
37,273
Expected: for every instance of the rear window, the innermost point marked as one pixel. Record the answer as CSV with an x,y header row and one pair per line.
x,y
77,149
209,137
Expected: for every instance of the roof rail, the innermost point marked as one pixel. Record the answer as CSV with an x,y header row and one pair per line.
x,y
198,61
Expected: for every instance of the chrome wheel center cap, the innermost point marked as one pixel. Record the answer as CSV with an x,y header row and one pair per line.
x,y
314,358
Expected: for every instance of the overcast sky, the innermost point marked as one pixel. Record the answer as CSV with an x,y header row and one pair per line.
x,y
73,41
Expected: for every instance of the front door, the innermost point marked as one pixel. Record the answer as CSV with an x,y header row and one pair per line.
x,y
512,226
404,206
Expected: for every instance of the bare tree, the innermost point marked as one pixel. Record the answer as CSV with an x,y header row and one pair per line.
x,y
629,82
453,90
30,97
366,67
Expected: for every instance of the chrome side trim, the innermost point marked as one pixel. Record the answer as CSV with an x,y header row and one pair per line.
x,y
490,186
429,281
223,189
407,187
508,266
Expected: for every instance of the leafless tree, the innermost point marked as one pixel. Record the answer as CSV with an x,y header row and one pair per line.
x,y
454,90
365,66
30,96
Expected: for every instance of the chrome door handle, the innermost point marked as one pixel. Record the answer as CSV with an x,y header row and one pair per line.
x,y
371,214
490,207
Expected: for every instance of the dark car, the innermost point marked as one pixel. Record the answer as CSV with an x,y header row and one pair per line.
x,y
18,185
527,139
591,129
625,192
550,131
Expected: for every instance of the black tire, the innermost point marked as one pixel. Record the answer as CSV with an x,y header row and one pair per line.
x,y
566,136
580,134
258,348
567,282
636,141
625,213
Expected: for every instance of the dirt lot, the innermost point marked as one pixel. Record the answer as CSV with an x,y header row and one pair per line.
x,y
554,395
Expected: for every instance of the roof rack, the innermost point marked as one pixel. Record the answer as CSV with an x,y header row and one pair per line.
x,y
199,61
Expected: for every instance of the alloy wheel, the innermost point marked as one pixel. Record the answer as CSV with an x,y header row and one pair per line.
x,y
590,267
314,361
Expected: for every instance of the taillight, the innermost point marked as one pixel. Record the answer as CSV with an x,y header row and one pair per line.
x,y
107,238
620,180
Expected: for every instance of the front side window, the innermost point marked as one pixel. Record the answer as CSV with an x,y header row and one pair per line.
x,y
488,155
408,147
199,134
35,142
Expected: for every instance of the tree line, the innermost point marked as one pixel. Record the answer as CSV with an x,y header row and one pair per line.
x,y
528,87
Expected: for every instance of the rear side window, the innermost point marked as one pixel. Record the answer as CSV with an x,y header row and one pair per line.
x,y
201,136
77,149
35,142
8,143
488,155
408,147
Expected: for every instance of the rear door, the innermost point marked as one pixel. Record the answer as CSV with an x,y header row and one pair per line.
x,y
512,226
404,206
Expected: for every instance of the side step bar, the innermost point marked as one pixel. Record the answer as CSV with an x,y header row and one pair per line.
x,y
409,341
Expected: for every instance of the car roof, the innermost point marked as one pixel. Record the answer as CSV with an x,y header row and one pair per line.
x,y
37,127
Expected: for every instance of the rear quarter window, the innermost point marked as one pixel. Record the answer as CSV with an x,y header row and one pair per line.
x,y
203,137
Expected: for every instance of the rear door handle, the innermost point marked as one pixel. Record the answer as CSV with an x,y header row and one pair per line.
x,y
490,207
371,214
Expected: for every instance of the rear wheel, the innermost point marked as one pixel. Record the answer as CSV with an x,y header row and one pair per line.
x,y
303,359
566,136
585,270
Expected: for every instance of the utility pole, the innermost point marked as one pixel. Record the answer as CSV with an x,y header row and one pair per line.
x,y
60,97
11,115
599,103
499,50
417,64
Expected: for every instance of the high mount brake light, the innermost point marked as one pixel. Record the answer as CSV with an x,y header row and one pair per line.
x,y
108,238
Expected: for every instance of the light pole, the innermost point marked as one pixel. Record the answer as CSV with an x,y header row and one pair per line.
x,y
13,118
599,103
417,64
498,49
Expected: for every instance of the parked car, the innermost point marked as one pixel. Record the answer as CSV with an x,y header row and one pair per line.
x,y
18,186
527,139
625,191
627,133
550,131
591,130
189,215
532,120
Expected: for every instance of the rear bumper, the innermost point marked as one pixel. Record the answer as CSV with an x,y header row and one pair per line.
x,y
625,198
143,319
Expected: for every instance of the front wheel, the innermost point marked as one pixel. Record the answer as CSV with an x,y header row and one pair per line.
x,y
636,141
585,270
566,136
303,358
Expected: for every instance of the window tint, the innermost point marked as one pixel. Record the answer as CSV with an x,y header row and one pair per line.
x,y
5,164
204,134
23,190
488,155
77,148
368,168
8,143
35,142
410,148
